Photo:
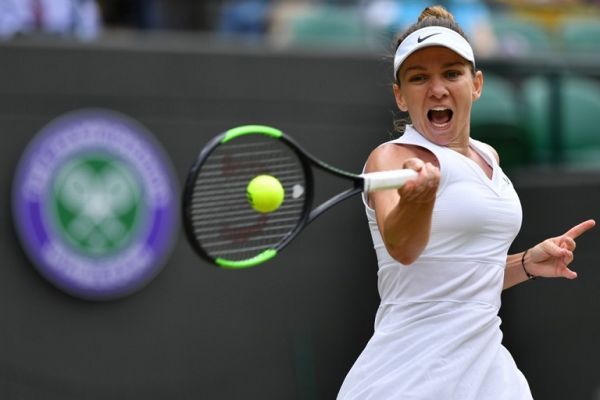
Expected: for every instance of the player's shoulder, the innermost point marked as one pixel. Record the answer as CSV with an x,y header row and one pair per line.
x,y
490,149
390,155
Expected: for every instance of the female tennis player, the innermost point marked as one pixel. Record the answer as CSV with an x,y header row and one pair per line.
x,y
442,240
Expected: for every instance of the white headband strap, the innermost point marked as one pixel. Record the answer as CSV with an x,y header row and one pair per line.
x,y
432,36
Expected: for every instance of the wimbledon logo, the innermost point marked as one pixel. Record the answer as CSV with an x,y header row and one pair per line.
x,y
95,204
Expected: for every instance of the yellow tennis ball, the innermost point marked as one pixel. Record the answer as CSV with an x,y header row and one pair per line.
x,y
265,193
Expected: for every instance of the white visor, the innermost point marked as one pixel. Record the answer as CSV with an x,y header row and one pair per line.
x,y
432,36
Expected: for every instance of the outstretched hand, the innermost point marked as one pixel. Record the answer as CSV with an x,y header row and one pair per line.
x,y
551,258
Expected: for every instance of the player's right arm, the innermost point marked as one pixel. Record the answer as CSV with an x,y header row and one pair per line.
x,y
404,215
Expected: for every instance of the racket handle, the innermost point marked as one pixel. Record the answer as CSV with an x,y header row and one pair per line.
x,y
382,180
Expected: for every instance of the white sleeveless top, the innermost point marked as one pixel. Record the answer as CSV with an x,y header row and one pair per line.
x,y
437,331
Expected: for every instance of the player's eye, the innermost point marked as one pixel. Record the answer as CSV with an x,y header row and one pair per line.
x,y
416,78
453,74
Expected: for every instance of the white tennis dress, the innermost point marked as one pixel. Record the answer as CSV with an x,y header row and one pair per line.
x,y
437,331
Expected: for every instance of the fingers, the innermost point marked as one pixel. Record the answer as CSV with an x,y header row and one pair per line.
x,y
580,229
428,173
554,249
424,187
562,254
556,256
567,257
414,163
567,242
565,272
569,274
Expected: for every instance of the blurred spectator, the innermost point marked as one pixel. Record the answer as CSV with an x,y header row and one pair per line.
x,y
139,14
283,13
473,16
13,14
79,18
334,24
199,15
247,17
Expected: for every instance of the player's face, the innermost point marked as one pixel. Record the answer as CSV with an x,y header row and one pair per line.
x,y
437,88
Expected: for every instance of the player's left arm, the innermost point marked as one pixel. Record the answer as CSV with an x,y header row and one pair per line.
x,y
548,259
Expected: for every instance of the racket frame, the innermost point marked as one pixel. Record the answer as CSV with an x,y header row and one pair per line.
x,y
309,214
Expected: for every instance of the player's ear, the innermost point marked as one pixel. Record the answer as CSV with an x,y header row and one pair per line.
x,y
400,102
477,85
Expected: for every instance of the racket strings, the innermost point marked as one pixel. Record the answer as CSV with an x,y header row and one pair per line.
x,y
238,219
224,223
234,185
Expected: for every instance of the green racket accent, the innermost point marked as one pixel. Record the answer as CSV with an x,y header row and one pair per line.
x,y
250,129
251,262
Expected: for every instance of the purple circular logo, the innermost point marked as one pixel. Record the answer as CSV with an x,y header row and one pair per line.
x,y
95,204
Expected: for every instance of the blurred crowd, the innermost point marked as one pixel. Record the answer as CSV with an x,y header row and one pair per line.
x,y
366,23
80,18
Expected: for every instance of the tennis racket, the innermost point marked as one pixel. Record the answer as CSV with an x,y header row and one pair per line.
x,y
218,218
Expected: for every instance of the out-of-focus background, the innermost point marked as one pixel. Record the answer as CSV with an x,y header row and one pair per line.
x,y
320,71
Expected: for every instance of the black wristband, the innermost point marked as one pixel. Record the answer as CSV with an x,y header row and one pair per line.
x,y
529,276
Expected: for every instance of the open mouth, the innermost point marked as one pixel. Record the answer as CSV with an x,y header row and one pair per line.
x,y
440,116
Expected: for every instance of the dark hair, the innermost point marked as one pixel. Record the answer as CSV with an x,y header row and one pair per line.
x,y
430,16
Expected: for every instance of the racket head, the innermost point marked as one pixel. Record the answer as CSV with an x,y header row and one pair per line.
x,y
218,218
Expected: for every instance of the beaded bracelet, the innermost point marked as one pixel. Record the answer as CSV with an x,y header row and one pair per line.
x,y
529,276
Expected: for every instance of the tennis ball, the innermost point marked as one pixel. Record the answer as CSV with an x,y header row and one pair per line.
x,y
265,193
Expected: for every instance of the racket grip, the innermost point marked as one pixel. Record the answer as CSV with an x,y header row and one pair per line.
x,y
382,180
